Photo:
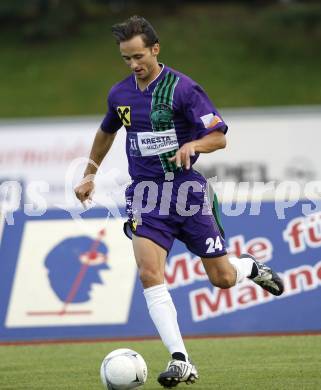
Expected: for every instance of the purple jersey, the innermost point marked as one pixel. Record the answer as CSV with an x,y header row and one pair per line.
x,y
170,112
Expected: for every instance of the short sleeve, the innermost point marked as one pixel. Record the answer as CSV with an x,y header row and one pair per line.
x,y
111,122
200,111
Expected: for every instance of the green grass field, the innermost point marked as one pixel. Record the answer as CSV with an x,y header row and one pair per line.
x,y
242,56
265,363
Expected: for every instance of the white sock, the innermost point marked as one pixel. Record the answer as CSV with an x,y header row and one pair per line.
x,y
163,313
242,266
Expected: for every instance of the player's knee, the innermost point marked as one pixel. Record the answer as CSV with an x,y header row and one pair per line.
x,y
223,280
149,277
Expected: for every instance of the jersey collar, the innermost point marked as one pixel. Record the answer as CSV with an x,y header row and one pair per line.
x,y
155,79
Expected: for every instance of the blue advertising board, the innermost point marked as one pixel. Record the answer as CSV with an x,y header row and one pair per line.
x,y
62,278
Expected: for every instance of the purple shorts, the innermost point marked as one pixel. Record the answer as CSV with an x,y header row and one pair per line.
x,y
175,207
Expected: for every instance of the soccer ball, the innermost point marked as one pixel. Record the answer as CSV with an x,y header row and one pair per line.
x,y
123,369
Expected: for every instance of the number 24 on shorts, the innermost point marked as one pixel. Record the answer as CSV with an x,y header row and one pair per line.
x,y
213,244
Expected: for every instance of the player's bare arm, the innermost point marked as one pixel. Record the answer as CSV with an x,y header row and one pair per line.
x,y
101,145
207,144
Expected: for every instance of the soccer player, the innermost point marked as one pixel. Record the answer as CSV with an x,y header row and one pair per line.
x,y
169,121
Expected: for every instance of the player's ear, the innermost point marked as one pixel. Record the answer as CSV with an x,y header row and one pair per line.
x,y
155,49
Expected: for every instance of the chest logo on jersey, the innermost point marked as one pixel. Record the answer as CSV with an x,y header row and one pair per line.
x,y
149,143
161,116
124,114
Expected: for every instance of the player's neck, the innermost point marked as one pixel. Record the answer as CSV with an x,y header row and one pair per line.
x,y
143,84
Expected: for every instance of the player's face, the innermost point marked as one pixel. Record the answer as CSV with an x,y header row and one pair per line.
x,y
142,60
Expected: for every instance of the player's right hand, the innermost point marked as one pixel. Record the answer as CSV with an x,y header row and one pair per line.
x,y
85,189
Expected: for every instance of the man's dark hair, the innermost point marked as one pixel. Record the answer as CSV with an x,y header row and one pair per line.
x,y
135,25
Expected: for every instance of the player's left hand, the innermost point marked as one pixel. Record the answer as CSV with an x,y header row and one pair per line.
x,y
183,155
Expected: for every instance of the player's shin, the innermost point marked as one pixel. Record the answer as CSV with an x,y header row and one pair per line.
x,y
163,314
244,268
